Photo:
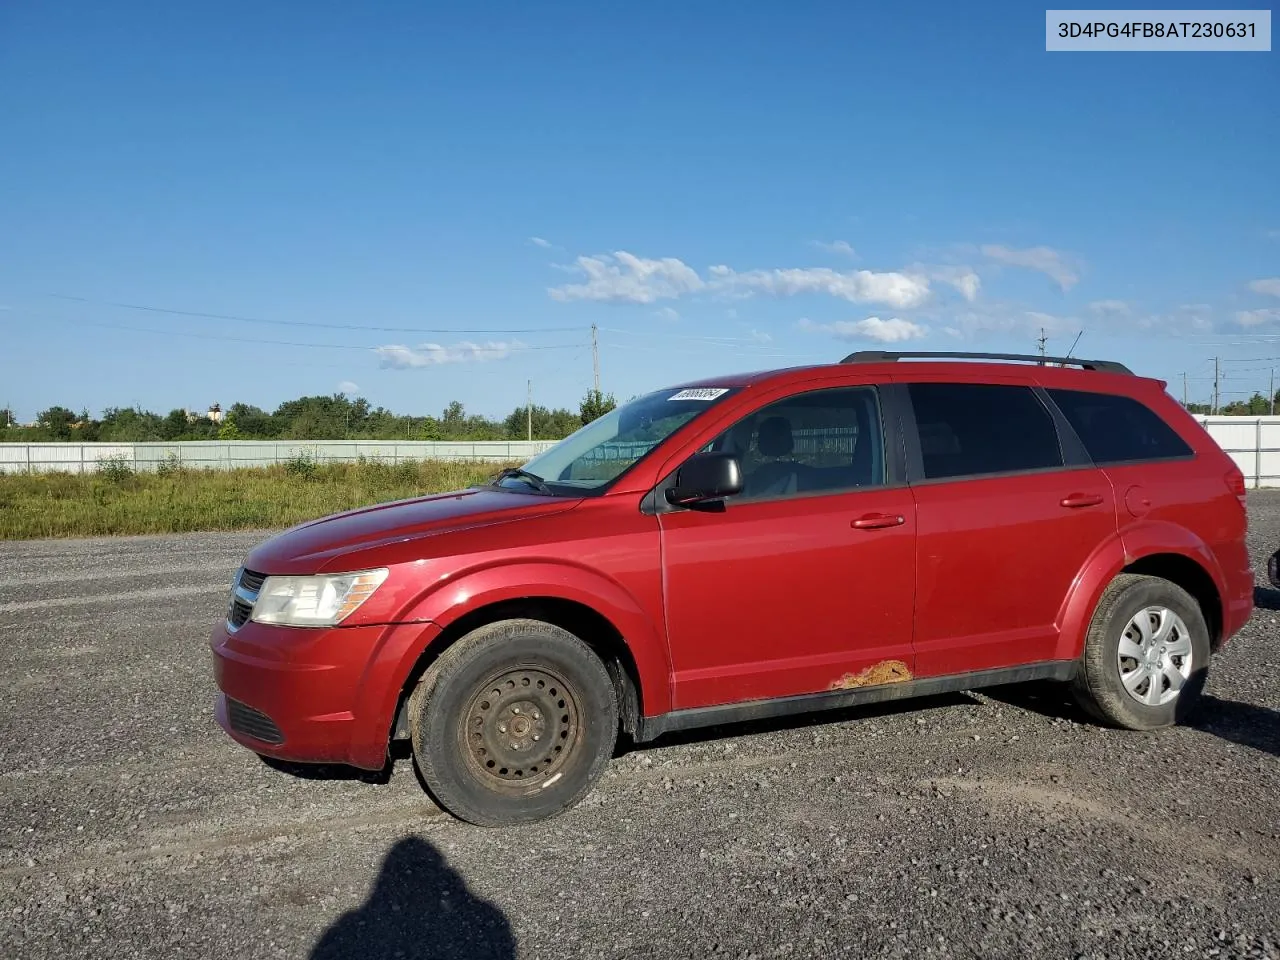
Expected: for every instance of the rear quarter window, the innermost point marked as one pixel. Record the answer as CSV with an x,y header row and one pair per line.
x,y
1118,429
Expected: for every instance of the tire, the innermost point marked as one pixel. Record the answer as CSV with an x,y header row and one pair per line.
x,y
514,723
1147,659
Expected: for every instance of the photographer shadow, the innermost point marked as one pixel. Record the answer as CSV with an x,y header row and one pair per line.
x,y
419,907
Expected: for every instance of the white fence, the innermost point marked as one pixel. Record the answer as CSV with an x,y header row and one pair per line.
x,y
230,454
1253,442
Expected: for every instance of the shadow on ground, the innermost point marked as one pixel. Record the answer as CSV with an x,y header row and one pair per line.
x,y
418,907
1243,723
400,750
800,721
1045,697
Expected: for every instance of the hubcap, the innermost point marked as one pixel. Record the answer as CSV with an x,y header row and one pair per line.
x,y
1154,656
519,728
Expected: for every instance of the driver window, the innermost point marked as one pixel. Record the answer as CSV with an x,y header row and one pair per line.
x,y
823,441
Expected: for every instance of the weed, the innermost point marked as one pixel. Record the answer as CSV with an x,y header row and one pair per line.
x,y
115,469
260,498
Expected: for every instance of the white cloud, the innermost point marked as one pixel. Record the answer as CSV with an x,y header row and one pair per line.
x,y
622,277
626,278
349,388
760,337
1110,308
731,313
1258,318
1269,286
1044,259
1009,319
899,290
873,328
399,357
962,278
539,242
668,313
840,247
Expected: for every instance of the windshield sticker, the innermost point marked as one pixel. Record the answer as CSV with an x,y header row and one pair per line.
x,y
700,393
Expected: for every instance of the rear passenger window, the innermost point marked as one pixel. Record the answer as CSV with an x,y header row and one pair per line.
x,y
1117,429
971,429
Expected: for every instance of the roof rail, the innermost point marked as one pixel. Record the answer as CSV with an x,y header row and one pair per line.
x,y
884,356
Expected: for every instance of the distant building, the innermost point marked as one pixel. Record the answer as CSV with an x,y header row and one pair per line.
x,y
215,413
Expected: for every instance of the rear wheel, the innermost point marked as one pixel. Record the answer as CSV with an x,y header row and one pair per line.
x,y
514,723
1146,655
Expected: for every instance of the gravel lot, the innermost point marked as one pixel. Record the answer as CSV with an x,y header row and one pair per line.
x,y
990,826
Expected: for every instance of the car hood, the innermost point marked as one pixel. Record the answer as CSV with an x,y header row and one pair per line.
x,y
319,546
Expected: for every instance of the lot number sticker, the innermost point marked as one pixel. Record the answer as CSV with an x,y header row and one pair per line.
x,y
700,393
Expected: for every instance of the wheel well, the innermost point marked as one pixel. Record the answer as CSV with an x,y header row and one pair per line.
x,y
588,625
1191,577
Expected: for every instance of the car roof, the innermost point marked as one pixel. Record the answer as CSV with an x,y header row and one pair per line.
x,y
1106,374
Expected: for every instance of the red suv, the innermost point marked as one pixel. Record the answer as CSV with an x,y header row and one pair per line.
x,y
751,546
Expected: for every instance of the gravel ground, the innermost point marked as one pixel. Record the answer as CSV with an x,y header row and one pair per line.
x,y
993,825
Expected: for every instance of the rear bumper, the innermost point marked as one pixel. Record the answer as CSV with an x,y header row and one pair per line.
x,y
301,694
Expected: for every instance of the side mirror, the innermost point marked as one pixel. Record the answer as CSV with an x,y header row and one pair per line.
x,y
704,480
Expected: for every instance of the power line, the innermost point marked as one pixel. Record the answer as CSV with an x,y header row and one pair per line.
x,y
676,336
310,323
278,343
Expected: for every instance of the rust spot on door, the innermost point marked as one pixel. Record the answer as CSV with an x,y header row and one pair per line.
x,y
886,671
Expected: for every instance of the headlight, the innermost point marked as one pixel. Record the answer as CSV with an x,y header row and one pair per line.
x,y
322,601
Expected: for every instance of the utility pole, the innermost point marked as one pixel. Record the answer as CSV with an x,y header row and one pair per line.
x,y
1184,388
1271,396
1215,385
595,358
1043,339
529,410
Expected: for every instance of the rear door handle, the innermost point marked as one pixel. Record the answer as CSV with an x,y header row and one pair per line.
x,y
874,521
1082,500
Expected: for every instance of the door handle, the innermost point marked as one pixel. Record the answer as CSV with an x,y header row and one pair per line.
x,y
1082,500
875,521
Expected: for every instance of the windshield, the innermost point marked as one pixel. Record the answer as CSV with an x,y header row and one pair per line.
x,y
592,457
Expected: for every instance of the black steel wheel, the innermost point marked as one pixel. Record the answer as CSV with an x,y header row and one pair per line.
x,y
520,727
513,723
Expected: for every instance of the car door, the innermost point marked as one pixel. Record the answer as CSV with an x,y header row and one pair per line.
x,y
804,582
1008,510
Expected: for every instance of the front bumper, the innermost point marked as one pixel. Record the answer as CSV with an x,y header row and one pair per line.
x,y
296,693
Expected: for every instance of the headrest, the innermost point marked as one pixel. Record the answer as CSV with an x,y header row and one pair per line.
x,y
774,439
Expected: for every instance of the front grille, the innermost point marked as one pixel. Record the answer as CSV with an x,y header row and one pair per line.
x,y
243,596
252,581
239,612
253,723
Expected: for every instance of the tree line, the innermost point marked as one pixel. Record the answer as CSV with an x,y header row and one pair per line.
x,y
339,417
1256,406
335,417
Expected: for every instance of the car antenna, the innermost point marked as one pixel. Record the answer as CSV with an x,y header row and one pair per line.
x,y
1073,344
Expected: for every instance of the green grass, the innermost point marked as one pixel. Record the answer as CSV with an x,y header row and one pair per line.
x,y
118,501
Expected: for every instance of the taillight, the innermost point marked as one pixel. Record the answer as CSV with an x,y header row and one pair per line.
x,y
1235,483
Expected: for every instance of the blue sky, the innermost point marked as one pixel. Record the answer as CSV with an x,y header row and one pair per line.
x,y
717,188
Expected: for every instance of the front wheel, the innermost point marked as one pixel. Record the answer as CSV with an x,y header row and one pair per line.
x,y
1146,655
514,723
